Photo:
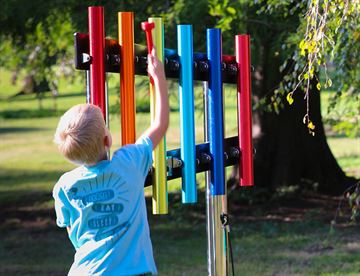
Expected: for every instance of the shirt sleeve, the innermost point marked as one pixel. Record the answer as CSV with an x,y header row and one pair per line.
x,y
136,157
144,148
62,213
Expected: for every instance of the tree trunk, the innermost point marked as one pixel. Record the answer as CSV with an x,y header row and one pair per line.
x,y
286,154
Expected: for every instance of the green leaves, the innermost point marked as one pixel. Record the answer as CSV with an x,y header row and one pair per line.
x,y
231,10
225,13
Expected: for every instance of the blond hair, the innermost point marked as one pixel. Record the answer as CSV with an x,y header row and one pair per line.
x,y
80,134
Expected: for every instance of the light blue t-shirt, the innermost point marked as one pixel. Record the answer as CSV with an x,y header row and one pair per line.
x,y
105,207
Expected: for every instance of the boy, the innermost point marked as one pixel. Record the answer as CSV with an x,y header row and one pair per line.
x,y
101,203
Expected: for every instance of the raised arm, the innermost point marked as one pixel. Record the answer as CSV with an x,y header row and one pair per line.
x,y
158,127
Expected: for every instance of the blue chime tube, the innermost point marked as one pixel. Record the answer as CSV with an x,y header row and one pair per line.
x,y
186,103
216,114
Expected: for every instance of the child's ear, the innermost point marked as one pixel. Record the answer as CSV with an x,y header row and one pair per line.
x,y
107,140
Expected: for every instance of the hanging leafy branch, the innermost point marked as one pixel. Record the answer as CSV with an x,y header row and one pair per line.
x,y
324,19
326,34
352,197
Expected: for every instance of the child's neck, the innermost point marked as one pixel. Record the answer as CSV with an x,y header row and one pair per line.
x,y
104,156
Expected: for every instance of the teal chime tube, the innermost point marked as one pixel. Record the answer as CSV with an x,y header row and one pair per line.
x,y
187,125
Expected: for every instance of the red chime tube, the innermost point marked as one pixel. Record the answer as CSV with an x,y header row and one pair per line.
x,y
242,48
97,66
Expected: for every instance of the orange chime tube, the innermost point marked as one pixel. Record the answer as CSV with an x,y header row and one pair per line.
x,y
127,77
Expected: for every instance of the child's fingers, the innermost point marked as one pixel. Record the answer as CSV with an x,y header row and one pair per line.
x,y
150,59
151,66
153,60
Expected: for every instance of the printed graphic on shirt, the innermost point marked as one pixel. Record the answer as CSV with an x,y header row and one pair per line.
x,y
97,193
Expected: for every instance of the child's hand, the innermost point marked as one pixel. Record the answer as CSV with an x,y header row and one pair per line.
x,y
160,123
155,67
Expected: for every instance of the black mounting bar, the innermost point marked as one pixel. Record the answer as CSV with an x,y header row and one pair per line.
x,y
171,63
203,159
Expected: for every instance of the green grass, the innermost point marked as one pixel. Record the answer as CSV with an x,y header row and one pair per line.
x,y
347,153
343,118
32,245
291,250
267,240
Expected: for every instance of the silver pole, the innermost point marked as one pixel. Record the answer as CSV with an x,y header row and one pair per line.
x,y
217,238
107,108
209,215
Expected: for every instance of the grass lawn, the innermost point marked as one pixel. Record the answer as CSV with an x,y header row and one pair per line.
x,y
290,236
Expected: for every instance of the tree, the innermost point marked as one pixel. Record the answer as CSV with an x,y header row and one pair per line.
x,y
36,42
286,153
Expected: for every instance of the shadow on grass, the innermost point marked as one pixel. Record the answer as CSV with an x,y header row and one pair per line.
x,y
73,94
268,237
30,113
31,243
6,130
17,177
45,95
264,243
19,188
25,206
